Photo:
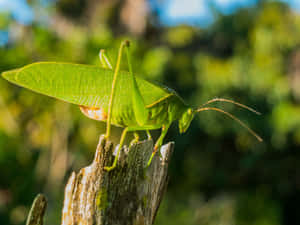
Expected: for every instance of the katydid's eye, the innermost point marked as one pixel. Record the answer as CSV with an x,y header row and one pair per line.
x,y
189,111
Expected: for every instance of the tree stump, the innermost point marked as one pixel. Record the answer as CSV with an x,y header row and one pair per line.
x,y
127,195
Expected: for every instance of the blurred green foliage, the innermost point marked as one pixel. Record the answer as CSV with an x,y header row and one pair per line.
x,y
219,173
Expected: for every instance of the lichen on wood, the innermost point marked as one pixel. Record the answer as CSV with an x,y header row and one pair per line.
x,y
129,194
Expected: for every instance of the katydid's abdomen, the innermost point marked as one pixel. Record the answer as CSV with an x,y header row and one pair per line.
x,y
90,88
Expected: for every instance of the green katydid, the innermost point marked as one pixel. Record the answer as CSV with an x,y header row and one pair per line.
x,y
117,97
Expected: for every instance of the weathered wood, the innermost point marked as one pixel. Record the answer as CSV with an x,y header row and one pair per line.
x,y
37,211
129,194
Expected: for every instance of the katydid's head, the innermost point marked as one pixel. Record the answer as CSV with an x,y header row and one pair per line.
x,y
186,119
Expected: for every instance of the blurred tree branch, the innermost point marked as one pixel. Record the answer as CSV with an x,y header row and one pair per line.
x,y
37,211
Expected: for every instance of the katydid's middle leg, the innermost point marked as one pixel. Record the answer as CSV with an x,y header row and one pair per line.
x,y
136,138
159,142
149,137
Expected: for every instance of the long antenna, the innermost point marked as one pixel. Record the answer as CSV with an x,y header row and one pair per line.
x,y
233,102
232,117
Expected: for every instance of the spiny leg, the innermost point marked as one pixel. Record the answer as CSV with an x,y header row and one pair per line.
x,y
140,110
159,142
104,60
109,168
113,89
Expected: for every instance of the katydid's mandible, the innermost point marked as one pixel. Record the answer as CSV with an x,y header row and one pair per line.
x,y
99,92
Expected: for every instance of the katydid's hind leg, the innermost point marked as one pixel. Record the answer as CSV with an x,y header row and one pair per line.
x,y
104,60
113,89
109,168
139,107
149,137
159,142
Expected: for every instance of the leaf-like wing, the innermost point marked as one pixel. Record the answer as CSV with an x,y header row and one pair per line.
x,y
83,84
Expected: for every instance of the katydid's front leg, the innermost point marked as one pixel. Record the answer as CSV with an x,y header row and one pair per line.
x,y
159,142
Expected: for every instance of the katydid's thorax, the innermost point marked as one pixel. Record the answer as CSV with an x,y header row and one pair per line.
x,y
159,114
166,111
